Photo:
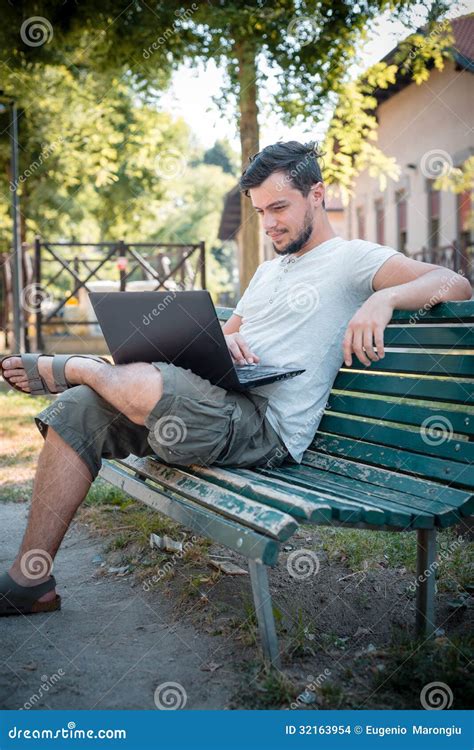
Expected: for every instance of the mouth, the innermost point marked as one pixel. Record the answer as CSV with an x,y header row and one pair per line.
x,y
275,235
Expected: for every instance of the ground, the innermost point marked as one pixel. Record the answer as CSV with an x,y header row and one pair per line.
x,y
134,619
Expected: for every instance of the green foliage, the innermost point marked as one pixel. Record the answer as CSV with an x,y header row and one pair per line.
x,y
97,163
223,155
350,146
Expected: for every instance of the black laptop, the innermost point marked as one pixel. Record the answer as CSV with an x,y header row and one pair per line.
x,y
177,327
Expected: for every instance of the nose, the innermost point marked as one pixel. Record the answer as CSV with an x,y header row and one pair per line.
x,y
268,222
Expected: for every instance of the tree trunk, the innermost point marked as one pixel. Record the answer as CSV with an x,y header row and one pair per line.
x,y
250,239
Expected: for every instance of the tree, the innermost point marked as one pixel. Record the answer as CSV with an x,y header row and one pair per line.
x,y
350,145
108,167
307,44
222,154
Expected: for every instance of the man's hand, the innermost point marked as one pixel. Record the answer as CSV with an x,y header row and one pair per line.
x,y
366,329
239,350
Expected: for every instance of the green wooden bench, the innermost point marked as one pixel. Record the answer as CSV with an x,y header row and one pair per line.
x,y
394,451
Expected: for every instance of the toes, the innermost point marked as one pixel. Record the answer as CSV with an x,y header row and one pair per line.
x,y
11,362
15,373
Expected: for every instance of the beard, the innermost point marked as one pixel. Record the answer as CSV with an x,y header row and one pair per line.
x,y
300,241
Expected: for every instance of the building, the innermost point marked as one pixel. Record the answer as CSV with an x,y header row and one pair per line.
x,y
426,128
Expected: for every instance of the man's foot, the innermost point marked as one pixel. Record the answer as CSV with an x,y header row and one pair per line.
x,y
22,580
76,369
27,598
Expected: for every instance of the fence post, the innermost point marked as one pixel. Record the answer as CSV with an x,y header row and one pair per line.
x,y
39,320
121,251
202,262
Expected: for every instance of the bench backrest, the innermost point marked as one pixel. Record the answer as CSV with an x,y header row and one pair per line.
x,y
412,411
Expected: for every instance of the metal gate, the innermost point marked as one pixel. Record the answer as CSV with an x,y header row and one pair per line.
x,y
63,269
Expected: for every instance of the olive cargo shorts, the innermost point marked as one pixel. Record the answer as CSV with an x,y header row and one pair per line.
x,y
194,422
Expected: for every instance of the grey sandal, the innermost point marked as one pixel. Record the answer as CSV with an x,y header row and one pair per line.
x,y
36,383
23,600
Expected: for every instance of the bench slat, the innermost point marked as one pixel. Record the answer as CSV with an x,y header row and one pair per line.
x,y
262,518
446,364
243,540
341,511
407,386
391,480
396,513
374,432
405,413
430,336
391,458
370,514
460,312
418,511
254,490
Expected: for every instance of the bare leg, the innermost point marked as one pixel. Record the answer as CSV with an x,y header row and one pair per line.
x,y
133,389
62,482
62,479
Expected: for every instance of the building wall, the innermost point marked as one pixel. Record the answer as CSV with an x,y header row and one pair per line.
x,y
414,125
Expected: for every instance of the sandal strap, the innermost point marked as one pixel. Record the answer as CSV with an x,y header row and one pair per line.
x,y
35,381
59,373
29,594
59,368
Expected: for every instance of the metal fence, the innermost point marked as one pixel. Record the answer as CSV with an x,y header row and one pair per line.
x,y
63,269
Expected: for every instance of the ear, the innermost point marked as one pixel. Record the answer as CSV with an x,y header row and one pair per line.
x,y
317,193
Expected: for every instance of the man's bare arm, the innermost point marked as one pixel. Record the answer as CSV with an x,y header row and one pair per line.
x,y
401,284
232,325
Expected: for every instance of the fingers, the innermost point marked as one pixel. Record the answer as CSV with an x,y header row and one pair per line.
x,y
347,347
378,335
362,342
235,351
240,350
368,343
358,347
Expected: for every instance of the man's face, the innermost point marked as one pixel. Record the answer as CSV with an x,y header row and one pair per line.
x,y
287,215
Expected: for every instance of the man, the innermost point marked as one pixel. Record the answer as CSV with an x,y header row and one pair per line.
x,y
321,300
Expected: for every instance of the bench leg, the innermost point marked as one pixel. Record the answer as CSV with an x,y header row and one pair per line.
x,y
426,580
263,609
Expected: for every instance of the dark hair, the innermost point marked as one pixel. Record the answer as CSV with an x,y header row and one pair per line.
x,y
298,161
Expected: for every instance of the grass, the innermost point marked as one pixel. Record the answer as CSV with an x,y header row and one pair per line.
x,y
409,667
20,444
369,550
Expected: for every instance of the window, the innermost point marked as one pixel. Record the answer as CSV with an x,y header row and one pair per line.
x,y
401,200
464,212
360,223
433,215
379,222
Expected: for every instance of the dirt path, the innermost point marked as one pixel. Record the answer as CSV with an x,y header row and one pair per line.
x,y
110,647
